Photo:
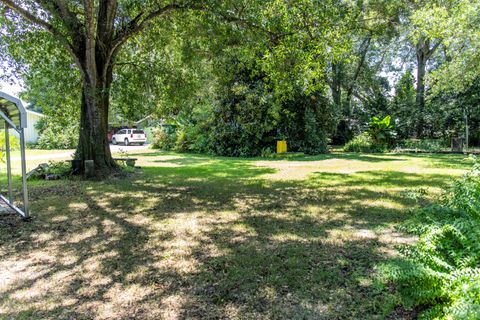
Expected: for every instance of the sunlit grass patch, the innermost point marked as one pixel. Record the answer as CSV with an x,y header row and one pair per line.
x,y
195,236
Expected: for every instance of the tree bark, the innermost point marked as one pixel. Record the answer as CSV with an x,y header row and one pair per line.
x,y
93,142
424,53
336,85
420,97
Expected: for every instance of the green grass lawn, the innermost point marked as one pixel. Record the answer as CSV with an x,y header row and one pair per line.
x,y
202,237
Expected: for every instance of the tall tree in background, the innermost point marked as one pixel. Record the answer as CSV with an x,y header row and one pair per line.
x,y
403,103
424,49
371,27
430,26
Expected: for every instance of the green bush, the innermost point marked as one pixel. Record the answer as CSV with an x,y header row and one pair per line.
x,y
363,143
382,132
307,122
62,168
379,137
163,140
441,273
249,117
423,144
59,169
245,121
14,144
191,139
55,136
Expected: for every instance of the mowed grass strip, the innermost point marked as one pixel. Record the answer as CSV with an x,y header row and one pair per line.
x,y
201,237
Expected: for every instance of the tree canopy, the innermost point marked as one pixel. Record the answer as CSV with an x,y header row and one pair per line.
x,y
190,60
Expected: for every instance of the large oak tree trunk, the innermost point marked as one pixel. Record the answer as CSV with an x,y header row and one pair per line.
x,y
93,142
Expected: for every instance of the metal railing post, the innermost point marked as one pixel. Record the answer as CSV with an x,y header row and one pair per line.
x,y
24,172
9,164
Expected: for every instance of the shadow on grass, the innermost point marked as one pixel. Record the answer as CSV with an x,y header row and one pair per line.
x,y
391,179
451,161
183,158
208,239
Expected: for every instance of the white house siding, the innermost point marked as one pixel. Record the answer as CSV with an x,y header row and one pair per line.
x,y
31,133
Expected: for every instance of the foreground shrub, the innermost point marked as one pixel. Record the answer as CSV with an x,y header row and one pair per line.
x,y
442,271
52,170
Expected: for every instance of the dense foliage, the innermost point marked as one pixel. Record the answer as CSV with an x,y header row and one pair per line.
x,y
55,136
14,145
362,143
245,120
236,76
382,131
163,139
441,272
379,137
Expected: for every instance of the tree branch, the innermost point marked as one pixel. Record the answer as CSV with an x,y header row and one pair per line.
x,y
107,12
363,54
137,24
273,35
29,16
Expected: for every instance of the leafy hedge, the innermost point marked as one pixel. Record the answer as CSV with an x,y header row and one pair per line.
x,y
441,273
362,143
424,144
54,135
163,140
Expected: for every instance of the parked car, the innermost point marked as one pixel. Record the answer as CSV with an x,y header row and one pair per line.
x,y
129,136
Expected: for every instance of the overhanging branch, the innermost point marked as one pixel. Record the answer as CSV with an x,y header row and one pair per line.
x,y
29,16
137,24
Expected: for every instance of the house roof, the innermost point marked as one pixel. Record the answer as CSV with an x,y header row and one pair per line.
x,y
144,119
35,113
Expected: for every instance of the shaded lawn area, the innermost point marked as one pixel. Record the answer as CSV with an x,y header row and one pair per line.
x,y
201,237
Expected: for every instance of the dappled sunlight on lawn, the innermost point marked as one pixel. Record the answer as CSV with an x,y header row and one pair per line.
x,y
206,237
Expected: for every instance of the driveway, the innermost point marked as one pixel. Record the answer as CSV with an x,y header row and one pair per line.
x,y
128,149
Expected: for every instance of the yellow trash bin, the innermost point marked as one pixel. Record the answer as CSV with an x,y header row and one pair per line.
x,y
281,146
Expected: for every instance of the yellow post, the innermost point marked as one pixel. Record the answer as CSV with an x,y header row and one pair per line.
x,y
281,146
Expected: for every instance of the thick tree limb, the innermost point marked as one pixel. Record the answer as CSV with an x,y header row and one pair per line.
x,y
363,54
107,12
29,16
90,38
